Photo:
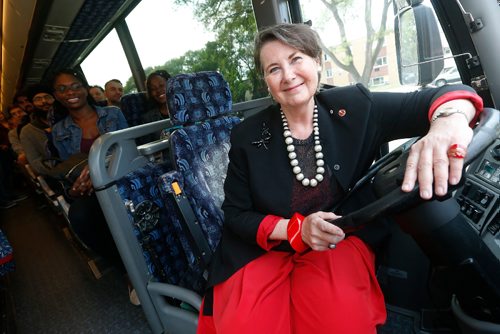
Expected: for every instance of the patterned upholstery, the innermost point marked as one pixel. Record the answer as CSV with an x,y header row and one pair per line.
x,y
6,262
200,150
133,105
201,156
164,246
192,269
197,96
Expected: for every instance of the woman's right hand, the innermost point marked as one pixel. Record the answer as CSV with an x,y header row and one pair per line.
x,y
318,233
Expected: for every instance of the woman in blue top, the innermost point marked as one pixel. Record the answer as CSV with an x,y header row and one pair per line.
x,y
75,134
85,122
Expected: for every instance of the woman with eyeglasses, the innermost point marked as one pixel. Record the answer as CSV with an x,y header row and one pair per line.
x,y
85,122
74,135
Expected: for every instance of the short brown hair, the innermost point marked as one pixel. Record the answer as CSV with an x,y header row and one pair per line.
x,y
299,36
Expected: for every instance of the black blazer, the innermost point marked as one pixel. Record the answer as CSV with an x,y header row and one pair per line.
x,y
353,124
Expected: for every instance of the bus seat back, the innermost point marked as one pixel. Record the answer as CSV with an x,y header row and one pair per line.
x,y
157,231
133,105
200,148
196,97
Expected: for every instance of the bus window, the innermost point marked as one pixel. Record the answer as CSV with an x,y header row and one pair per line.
x,y
163,31
351,56
107,61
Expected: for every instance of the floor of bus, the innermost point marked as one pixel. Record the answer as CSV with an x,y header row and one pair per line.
x,y
52,289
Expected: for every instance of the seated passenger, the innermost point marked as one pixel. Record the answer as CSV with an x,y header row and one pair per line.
x,y
18,119
84,123
22,100
34,137
282,265
97,92
73,135
113,89
156,85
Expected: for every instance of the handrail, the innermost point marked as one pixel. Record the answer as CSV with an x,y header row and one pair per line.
x,y
125,155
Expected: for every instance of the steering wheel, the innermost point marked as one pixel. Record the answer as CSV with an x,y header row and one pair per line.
x,y
386,176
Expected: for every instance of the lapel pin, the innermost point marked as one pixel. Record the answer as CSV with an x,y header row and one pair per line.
x,y
265,137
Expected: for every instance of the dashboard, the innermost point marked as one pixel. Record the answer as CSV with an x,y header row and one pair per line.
x,y
479,198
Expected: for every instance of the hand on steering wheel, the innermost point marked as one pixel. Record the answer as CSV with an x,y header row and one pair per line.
x,y
320,232
385,175
436,160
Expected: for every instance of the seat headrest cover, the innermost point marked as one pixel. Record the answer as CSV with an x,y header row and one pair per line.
x,y
197,96
133,105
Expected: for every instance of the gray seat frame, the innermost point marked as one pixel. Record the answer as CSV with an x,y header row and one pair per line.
x,y
112,156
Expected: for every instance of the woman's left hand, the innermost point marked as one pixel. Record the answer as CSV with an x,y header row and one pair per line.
x,y
318,232
84,183
430,161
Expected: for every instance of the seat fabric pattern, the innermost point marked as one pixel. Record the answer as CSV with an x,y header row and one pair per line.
x,y
197,96
6,256
201,155
160,238
193,275
133,105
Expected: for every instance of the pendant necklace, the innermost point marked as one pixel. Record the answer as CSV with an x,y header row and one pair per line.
x,y
292,155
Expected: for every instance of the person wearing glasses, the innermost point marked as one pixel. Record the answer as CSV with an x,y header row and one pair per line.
x,y
85,122
74,135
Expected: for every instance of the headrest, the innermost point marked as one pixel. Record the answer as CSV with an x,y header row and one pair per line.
x,y
134,100
133,105
197,96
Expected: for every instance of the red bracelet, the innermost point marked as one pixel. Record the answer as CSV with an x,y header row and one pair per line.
x,y
294,233
476,100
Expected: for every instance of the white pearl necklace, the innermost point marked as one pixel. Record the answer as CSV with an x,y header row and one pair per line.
x,y
320,163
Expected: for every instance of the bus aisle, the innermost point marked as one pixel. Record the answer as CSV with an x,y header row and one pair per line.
x,y
52,288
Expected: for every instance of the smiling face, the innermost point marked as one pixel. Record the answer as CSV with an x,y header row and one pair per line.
x,y
158,89
292,76
70,92
43,101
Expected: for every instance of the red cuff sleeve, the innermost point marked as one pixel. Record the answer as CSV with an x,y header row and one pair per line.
x,y
266,227
476,100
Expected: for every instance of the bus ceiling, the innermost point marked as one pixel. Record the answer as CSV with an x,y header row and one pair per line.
x,y
39,37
